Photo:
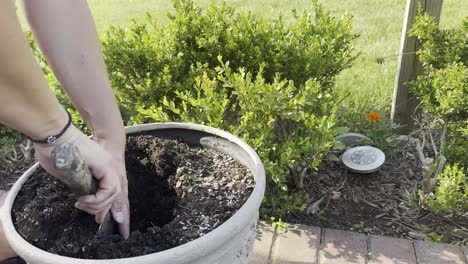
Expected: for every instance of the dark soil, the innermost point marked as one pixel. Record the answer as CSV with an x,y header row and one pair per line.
x,y
177,194
381,203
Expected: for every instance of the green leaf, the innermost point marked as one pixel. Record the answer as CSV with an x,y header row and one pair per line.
x,y
434,237
333,157
341,130
339,145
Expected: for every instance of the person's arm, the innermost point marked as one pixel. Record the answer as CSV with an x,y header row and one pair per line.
x,y
28,105
66,34
26,102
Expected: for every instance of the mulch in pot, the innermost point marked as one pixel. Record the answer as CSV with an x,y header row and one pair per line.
x,y
177,194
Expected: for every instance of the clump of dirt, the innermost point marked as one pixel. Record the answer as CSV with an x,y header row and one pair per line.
x,y
177,193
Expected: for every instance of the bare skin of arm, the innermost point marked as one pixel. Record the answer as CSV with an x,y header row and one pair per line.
x,y
28,105
66,34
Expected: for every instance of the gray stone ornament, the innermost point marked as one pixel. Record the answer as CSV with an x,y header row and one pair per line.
x,y
351,139
363,159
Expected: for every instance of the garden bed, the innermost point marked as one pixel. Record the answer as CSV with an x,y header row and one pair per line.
x,y
13,166
381,203
177,194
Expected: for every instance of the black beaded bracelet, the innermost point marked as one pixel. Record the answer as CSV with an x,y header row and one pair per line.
x,y
54,138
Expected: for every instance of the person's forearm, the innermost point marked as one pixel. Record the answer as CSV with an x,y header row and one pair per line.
x,y
66,34
26,102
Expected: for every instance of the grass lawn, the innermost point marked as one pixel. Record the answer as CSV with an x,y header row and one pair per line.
x,y
378,22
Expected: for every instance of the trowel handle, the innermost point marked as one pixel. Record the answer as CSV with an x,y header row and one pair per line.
x,y
72,167
78,178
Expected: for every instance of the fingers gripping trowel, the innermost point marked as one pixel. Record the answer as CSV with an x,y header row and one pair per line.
x,y
78,178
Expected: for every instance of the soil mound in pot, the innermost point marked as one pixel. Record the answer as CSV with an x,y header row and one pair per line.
x,y
177,193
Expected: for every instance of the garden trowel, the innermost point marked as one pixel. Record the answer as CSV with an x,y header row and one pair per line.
x,y
78,178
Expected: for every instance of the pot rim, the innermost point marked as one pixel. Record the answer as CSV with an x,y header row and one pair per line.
x,y
187,252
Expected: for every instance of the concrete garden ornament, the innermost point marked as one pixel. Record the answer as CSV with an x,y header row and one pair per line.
x,y
363,159
358,158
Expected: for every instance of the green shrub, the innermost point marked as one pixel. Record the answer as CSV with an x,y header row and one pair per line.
x,y
456,150
148,61
286,125
443,85
8,139
451,194
279,100
440,47
443,89
443,92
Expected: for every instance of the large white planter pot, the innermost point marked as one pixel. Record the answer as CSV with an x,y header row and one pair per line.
x,y
230,243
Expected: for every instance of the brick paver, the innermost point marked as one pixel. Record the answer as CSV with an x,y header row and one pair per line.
x,y
438,253
299,244
263,244
465,250
388,250
342,247
302,244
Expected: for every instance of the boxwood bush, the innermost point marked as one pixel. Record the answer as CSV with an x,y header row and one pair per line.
x,y
443,89
148,61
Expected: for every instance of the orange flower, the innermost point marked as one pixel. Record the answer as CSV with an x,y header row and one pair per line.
x,y
374,117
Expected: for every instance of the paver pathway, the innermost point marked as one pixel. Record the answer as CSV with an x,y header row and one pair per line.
x,y
302,244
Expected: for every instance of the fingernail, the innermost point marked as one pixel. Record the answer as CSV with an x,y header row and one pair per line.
x,y
77,205
101,219
119,217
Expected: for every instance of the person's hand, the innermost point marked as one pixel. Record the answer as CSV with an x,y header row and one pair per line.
x,y
116,146
110,173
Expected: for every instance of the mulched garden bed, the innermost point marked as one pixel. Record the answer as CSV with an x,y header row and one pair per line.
x,y
381,203
177,194
13,166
